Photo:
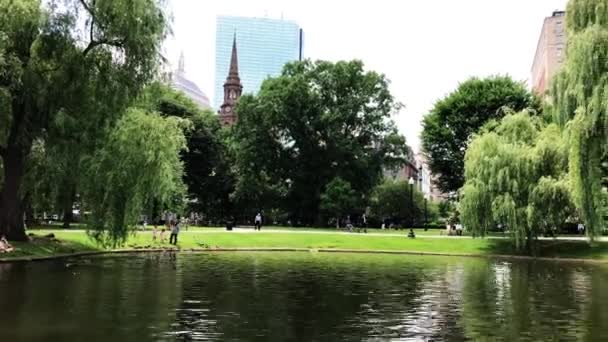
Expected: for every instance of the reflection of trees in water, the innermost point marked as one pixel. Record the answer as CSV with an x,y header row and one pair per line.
x,y
596,317
538,301
302,296
287,296
89,299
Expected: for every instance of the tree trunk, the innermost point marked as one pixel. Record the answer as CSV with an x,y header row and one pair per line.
x,y
11,209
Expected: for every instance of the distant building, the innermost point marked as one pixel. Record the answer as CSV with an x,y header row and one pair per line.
x,y
403,173
424,176
550,51
232,89
180,82
426,181
265,45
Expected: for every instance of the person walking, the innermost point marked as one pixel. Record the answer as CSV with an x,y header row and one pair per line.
x,y
174,232
258,221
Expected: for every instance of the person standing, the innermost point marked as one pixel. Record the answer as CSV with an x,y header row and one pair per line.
x,y
174,232
258,221
581,228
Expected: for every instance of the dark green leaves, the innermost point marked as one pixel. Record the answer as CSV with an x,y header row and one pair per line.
x,y
449,126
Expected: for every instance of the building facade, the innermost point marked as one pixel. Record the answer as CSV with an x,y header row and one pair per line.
x,y
426,181
232,89
264,45
403,173
179,81
550,51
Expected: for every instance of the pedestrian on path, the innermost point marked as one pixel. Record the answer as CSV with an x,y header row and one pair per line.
x,y
258,221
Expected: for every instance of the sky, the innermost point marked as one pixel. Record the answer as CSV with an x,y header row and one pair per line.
x,y
424,47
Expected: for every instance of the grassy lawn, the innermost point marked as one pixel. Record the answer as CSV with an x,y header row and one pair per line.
x,y
67,241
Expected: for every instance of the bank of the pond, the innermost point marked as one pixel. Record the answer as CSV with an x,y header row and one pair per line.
x,y
77,242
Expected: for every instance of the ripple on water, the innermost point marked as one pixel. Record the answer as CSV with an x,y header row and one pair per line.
x,y
302,297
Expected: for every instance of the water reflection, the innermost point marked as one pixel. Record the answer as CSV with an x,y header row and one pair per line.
x,y
301,297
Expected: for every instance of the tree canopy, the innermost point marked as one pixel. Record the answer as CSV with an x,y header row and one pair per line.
x,y
313,123
207,160
448,128
580,103
516,176
394,201
76,62
338,198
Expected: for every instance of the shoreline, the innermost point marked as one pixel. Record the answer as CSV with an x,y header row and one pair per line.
x,y
291,249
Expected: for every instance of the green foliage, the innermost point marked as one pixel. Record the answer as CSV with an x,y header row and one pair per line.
x,y
580,103
67,72
445,208
454,119
138,165
394,201
338,198
315,122
207,171
516,176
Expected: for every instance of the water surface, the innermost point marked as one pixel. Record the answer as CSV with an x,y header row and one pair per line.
x,y
301,297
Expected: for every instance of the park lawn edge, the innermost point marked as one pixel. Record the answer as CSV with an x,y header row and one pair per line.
x,y
71,244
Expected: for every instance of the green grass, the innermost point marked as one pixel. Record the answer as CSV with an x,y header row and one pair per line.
x,y
78,241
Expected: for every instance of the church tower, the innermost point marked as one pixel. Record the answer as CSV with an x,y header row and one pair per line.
x,y
232,90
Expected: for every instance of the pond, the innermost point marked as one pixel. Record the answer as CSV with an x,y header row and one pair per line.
x,y
301,297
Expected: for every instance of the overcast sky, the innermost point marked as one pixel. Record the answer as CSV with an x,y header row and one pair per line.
x,y
425,47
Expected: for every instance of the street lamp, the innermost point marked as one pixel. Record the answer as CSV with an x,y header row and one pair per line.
x,y
411,183
426,218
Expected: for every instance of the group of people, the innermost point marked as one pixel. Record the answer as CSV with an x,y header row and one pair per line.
x,y
172,226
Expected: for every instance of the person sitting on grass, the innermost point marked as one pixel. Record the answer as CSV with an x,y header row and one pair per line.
x,y
5,247
411,234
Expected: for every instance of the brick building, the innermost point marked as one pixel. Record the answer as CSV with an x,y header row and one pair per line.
x,y
550,51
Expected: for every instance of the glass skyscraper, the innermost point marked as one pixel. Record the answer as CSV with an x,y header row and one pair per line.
x,y
264,46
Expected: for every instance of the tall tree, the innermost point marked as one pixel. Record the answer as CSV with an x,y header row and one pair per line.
x,y
516,175
137,166
448,128
207,160
53,70
315,122
580,98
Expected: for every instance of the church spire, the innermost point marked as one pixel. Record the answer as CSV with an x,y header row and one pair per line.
x,y
234,63
232,89
180,64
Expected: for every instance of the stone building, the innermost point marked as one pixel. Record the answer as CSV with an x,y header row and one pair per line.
x,y
179,81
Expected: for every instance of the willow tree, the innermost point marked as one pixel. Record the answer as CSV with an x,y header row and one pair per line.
x,y
516,175
66,62
139,164
580,103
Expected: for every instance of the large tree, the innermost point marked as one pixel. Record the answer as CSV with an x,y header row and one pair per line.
x,y
207,160
516,176
448,128
313,123
580,102
76,61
